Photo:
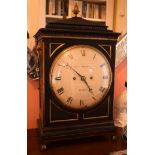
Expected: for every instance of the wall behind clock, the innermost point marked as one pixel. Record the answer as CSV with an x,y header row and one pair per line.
x,y
32,102
120,78
36,20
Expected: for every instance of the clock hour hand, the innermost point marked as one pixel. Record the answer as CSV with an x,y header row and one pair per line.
x,y
90,89
83,78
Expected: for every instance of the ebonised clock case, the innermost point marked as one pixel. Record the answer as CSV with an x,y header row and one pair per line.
x,y
59,123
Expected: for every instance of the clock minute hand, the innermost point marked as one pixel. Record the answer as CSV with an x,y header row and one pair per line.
x,y
75,71
83,78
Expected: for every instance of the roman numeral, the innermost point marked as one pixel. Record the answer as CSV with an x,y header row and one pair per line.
x,y
105,77
60,90
70,56
63,65
58,78
101,89
81,102
83,52
94,56
69,100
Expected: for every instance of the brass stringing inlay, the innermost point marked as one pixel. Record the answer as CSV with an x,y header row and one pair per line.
x,y
70,37
55,121
59,45
108,52
99,116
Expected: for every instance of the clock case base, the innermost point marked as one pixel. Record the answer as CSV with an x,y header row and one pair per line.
x,y
47,135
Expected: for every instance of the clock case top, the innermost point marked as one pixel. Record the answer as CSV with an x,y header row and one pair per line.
x,y
76,26
62,34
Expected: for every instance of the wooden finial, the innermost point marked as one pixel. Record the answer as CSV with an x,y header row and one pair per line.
x,y
76,10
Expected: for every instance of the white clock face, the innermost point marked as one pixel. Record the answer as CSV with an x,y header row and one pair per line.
x,y
80,77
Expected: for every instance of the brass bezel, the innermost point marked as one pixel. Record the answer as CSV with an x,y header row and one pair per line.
x,y
54,62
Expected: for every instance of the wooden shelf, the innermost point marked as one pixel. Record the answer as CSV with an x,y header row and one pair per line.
x,y
95,146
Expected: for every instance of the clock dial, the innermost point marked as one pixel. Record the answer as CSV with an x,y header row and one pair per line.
x,y
80,77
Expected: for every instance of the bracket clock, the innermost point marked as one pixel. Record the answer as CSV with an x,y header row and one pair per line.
x,y
77,63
